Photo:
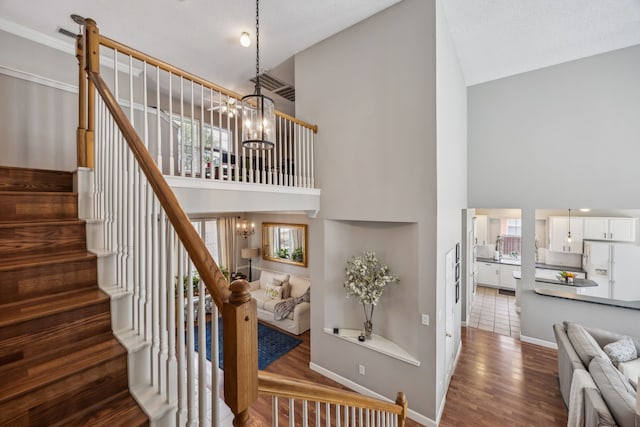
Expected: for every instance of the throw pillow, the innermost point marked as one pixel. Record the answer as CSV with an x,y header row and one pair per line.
x,y
621,351
583,343
275,282
286,289
273,292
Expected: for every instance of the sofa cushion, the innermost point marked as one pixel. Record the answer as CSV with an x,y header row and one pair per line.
x,y
299,286
615,389
631,370
583,343
621,351
273,291
260,297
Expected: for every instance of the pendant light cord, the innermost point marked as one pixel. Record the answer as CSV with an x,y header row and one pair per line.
x,y
257,47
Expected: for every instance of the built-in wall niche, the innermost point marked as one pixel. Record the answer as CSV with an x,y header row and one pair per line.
x,y
396,316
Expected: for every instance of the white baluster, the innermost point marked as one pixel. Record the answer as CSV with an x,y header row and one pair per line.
x,y
194,139
292,415
328,415
173,286
305,414
202,354
158,127
318,419
215,362
171,156
368,418
156,286
274,410
220,168
311,145
182,365
353,416
182,132
211,148
346,416
161,265
229,173
201,138
239,166
191,374
360,420
279,145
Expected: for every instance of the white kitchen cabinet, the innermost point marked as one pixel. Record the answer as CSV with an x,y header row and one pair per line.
x,y
506,276
482,228
489,274
610,229
559,231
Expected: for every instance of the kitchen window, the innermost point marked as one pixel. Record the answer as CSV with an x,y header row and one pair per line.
x,y
511,231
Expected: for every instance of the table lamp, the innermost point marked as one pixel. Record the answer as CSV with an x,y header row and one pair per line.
x,y
249,253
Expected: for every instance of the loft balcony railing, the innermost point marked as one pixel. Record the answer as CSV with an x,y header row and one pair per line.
x,y
192,127
156,249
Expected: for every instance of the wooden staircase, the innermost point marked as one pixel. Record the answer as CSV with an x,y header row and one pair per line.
x,y
59,361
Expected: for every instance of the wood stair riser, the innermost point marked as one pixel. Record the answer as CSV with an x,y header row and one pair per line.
x,y
25,282
25,206
59,329
21,179
35,239
67,396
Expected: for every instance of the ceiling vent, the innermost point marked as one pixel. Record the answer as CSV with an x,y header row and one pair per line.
x,y
273,84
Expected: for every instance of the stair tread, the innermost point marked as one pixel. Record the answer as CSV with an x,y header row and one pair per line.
x,y
39,193
41,222
28,261
122,409
21,311
55,369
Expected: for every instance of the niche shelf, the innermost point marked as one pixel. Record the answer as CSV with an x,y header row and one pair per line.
x,y
376,343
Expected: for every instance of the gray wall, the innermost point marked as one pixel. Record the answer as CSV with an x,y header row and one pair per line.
x,y
451,152
38,121
561,137
379,168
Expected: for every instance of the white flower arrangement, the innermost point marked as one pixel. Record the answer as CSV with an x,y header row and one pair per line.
x,y
367,278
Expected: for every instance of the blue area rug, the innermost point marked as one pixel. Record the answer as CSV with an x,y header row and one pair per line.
x,y
272,344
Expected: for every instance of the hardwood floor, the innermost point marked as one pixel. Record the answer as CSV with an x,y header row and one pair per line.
x,y
498,381
501,381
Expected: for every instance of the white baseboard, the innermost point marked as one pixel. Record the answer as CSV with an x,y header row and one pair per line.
x,y
536,341
365,391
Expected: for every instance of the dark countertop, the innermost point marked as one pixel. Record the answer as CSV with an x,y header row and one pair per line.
x,y
577,283
632,305
538,265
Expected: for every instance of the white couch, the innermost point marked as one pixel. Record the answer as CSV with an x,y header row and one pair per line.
x,y
299,320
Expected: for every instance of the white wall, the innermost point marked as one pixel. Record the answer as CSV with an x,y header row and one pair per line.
x,y
379,168
561,137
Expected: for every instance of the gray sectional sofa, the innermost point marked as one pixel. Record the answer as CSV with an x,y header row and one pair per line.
x,y
597,391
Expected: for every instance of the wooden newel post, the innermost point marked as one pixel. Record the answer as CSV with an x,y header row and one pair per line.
x,y
401,400
92,63
240,334
82,104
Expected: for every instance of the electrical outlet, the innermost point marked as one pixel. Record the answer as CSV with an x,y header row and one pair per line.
x,y
425,319
361,369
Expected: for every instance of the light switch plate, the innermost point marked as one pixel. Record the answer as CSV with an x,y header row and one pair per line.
x,y
425,319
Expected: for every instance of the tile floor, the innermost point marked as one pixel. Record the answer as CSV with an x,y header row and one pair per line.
x,y
494,312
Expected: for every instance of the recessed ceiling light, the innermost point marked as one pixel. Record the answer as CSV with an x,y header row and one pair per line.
x,y
245,39
585,210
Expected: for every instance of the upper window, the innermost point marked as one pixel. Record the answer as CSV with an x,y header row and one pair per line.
x,y
188,137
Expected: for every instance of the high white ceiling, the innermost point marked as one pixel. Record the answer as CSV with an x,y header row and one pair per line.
x,y
493,38
500,38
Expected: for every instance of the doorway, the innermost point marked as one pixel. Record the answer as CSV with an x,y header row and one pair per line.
x,y
495,252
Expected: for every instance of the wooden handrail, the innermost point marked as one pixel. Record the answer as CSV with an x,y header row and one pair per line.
x,y
277,385
107,42
209,272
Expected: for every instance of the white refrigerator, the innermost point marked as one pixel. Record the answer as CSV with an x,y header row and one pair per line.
x,y
615,267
